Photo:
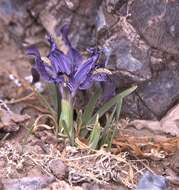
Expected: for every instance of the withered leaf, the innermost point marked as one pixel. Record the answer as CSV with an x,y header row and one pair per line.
x,y
169,124
10,121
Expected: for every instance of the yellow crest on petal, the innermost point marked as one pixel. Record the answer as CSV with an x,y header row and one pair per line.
x,y
46,60
102,70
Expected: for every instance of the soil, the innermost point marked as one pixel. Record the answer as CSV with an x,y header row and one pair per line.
x,y
33,157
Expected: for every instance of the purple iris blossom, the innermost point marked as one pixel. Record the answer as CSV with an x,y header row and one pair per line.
x,y
70,70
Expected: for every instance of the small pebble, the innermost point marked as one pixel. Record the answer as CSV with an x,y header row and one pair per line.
x,y
151,181
58,168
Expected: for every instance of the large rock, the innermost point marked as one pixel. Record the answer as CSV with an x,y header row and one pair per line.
x,y
128,54
140,39
143,49
157,22
13,15
161,92
79,15
58,168
154,98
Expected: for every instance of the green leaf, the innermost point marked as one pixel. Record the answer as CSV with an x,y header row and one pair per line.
x,y
111,138
53,95
58,101
45,103
55,98
89,109
95,134
63,123
66,119
118,108
108,105
106,131
70,137
79,119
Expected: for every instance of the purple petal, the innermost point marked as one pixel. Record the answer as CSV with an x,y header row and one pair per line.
x,y
64,31
109,89
85,68
59,79
100,77
60,62
92,50
75,57
53,46
35,75
95,77
83,72
33,51
73,54
40,66
86,84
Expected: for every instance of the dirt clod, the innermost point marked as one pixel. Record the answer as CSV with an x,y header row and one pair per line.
x,y
58,168
27,183
140,40
10,121
175,162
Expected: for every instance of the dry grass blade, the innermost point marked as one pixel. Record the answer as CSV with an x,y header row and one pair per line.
x,y
45,102
31,96
80,144
154,147
39,109
36,124
102,167
85,165
169,124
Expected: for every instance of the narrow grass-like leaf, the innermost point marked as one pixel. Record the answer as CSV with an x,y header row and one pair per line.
x,y
58,101
55,98
95,134
89,109
78,121
66,119
118,108
111,138
63,123
45,103
52,96
115,100
106,130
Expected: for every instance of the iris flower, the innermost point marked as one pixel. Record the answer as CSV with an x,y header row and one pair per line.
x,y
69,70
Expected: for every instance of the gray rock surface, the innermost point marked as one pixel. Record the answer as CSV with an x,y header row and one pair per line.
x,y
164,87
58,168
151,181
157,22
27,183
139,37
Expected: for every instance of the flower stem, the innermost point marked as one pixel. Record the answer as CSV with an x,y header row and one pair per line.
x,y
66,119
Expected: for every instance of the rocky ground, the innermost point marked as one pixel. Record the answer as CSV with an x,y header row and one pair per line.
x,y
141,43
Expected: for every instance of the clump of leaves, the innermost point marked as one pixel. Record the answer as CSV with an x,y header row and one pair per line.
x,y
103,135
69,71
